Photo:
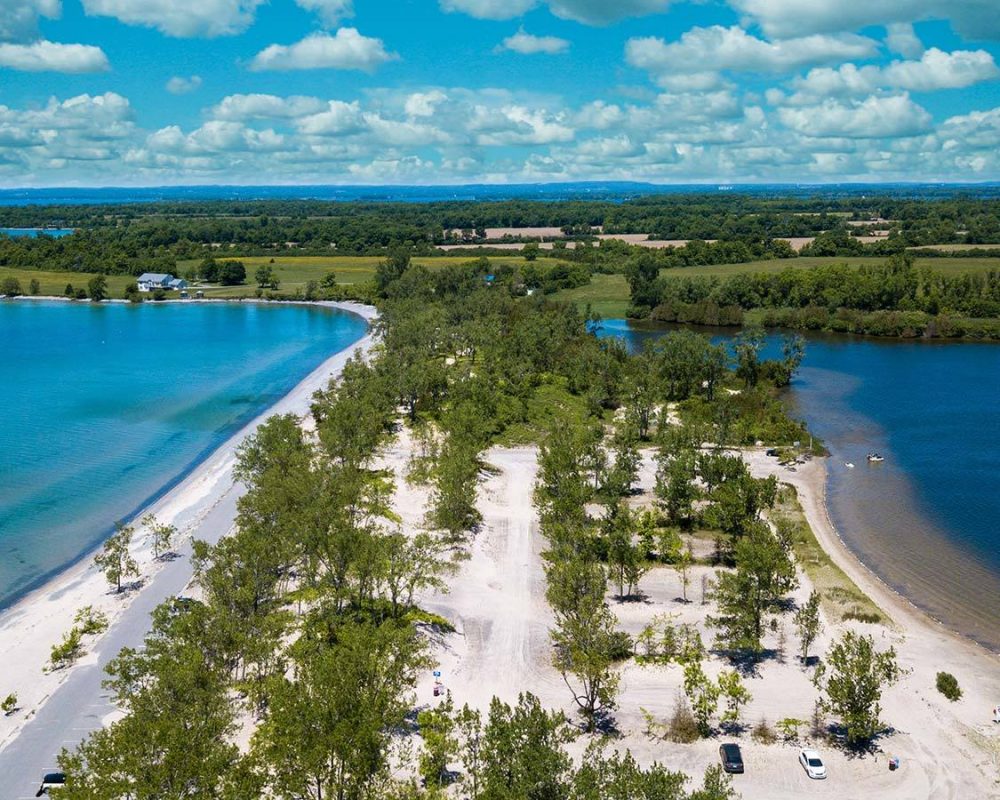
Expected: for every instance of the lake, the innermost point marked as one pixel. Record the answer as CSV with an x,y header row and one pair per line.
x,y
926,520
106,406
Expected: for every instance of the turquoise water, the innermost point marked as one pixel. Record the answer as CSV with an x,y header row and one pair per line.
x,y
104,406
927,521
56,233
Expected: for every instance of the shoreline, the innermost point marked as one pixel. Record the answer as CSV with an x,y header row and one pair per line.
x,y
35,621
810,484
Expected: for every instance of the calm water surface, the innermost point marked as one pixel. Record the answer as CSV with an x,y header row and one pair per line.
x,y
105,406
927,521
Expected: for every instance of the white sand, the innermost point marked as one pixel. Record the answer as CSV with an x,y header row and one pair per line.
x,y
30,627
501,647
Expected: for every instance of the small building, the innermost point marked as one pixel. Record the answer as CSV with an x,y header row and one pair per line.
x,y
178,284
151,281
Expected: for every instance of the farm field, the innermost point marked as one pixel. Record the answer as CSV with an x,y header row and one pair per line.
x,y
54,282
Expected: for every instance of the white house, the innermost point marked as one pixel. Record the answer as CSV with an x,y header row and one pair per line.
x,y
150,281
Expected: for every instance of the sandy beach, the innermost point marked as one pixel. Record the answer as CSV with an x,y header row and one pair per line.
x,y
501,647
30,628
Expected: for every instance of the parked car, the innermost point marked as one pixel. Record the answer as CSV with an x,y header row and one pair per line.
x,y
812,764
50,780
732,758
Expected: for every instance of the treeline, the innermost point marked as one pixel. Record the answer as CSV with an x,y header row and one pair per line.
x,y
117,237
892,299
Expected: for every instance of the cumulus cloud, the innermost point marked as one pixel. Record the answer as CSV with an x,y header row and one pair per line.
x,y
337,119
873,118
526,44
43,56
19,18
976,19
733,49
423,104
934,71
348,49
901,38
181,85
331,12
589,12
206,18
243,107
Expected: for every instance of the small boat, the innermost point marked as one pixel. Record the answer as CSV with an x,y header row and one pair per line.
x,y
875,458
849,465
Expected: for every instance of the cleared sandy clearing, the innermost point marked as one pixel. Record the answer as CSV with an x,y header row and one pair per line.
x,y
501,647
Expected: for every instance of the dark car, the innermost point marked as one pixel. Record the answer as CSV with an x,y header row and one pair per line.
x,y
732,758
50,781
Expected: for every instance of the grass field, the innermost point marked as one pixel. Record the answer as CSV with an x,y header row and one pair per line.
x,y
54,283
294,272
608,295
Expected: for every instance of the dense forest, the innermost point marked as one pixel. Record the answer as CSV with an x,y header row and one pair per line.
x,y
309,624
892,299
130,239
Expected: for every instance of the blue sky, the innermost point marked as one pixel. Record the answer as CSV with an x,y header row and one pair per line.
x,y
151,92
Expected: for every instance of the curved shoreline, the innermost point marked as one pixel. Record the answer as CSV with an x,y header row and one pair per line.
x,y
39,618
810,483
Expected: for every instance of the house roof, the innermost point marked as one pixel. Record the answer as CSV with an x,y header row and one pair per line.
x,y
154,277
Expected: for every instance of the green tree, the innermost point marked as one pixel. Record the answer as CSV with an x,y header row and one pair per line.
x,y
735,695
626,558
807,623
162,535
683,561
523,752
232,273
437,729
115,560
851,680
703,695
9,704
208,270
764,574
327,732
675,486
10,286
329,280
748,345
34,287
97,288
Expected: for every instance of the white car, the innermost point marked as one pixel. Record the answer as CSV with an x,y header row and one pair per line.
x,y
812,764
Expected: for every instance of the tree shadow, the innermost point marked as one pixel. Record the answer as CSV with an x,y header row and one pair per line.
x,y
836,735
745,662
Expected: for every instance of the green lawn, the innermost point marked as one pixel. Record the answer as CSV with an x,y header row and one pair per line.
x,y
606,295
54,283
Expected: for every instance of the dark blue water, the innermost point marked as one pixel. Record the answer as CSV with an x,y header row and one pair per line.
x,y
927,521
31,233
104,406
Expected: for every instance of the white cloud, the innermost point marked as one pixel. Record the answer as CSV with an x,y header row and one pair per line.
x,y
215,136
243,107
348,49
526,44
423,104
599,115
180,17
934,71
602,12
181,85
901,38
337,119
976,19
19,18
331,12
733,49
488,9
874,118
589,12
43,56
517,124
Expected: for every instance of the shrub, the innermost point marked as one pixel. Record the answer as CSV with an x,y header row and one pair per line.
x,y
89,621
682,726
9,704
68,650
763,733
947,684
